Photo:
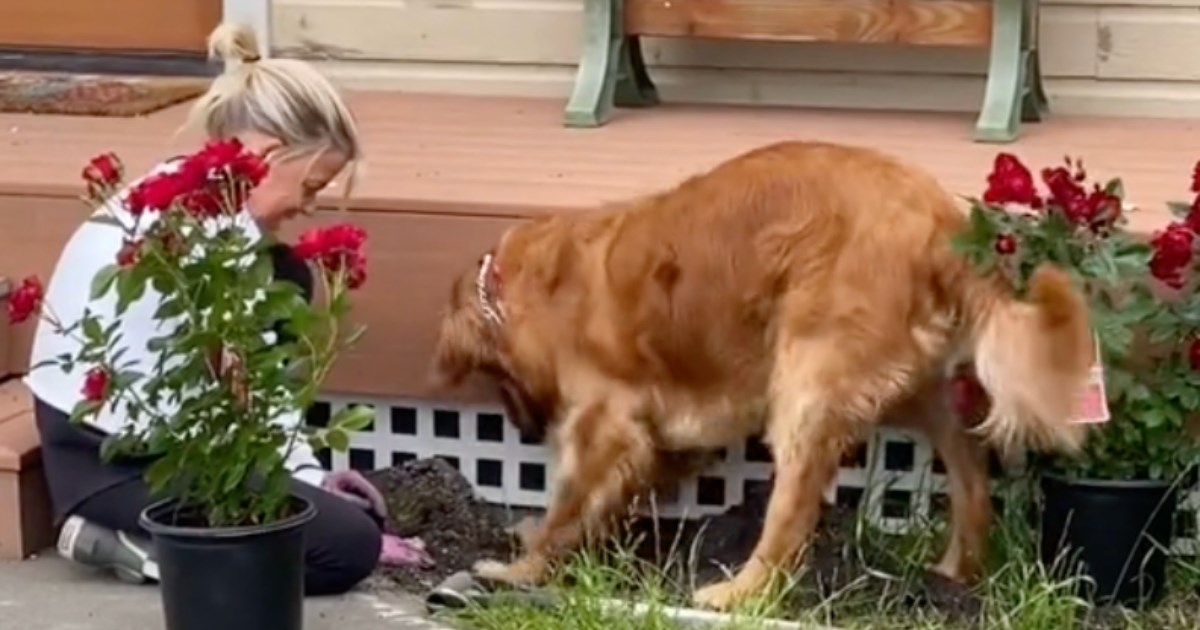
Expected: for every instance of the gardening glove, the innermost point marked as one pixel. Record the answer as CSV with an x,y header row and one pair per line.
x,y
404,552
353,487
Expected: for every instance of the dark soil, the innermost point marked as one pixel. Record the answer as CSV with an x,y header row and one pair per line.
x,y
430,499
832,568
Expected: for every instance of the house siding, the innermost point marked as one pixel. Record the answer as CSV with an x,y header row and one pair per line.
x,y
1099,56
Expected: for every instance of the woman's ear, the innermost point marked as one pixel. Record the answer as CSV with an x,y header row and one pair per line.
x,y
270,150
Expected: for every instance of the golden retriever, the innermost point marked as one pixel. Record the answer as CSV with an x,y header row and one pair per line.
x,y
803,291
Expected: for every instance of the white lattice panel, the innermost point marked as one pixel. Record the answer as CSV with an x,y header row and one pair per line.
x,y
896,474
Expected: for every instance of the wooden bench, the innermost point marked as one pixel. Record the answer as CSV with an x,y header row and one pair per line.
x,y
612,71
26,519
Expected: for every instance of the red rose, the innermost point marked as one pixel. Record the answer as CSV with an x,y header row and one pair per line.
x,y
1196,178
1102,208
1006,244
1194,354
156,193
331,244
1172,253
226,158
1192,220
95,385
129,253
357,271
1080,207
206,202
211,181
103,172
335,248
1011,182
1066,193
25,300
310,245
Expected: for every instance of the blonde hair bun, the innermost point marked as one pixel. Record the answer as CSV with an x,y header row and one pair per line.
x,y
232,41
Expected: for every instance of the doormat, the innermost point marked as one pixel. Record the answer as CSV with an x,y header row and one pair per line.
x,y
93,95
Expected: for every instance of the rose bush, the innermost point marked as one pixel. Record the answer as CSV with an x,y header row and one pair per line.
x,y
238,349
1143,305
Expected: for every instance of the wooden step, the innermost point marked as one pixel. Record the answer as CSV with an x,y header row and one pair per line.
x,y
26,520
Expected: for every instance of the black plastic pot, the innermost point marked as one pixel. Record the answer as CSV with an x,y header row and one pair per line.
x,y
1115,532
238,578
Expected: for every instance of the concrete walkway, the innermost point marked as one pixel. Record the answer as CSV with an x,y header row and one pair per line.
x,y
48,593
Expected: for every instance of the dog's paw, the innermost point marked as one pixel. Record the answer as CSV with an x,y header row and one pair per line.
x,y
524,531
955,570
524,572
722,596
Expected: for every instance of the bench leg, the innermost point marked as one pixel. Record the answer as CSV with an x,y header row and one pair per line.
x,y
1036,105
1014,89
635,88
592,100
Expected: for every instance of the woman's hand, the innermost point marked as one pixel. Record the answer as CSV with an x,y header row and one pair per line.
x,y
353,487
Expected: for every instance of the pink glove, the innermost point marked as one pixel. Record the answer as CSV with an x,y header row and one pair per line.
x,y
404,552
353,487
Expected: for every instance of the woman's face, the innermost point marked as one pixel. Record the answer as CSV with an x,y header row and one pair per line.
x,y
291,185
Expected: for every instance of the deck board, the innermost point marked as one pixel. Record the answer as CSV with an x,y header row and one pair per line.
x,y
511,156
446,175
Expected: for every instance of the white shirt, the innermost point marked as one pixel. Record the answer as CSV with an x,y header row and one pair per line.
x,y
67,295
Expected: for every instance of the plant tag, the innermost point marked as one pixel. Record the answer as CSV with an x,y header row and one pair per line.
x,y
1092,407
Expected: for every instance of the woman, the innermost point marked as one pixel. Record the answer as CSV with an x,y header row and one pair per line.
x,y
288,113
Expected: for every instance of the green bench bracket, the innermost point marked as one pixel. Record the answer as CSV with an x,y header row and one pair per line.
x,y
1015,92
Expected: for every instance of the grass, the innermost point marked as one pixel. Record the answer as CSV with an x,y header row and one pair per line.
x,y
888,590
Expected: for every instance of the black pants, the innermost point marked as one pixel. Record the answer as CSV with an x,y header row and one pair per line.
x,y
342,543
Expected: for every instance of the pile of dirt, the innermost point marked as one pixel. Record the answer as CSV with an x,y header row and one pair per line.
x,y
431,500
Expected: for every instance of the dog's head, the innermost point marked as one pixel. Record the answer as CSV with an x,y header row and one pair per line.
x,y
472,340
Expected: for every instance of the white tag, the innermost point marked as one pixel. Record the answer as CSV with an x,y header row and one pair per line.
x,y
1092,407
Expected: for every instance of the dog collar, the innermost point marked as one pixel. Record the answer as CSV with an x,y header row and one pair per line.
x,y
487,288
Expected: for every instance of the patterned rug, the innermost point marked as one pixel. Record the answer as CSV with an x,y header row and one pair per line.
x,y
93,95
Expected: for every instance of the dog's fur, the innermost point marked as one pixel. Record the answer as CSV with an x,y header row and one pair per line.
x,y
804,291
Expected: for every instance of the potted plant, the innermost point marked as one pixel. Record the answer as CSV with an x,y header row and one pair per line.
x,y
239,349
1108,511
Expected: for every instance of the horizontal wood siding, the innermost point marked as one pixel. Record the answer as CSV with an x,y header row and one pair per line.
x,y
1119,57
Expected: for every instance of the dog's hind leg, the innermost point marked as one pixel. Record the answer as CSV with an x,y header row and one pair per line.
x,y
965,459
822,403
604,458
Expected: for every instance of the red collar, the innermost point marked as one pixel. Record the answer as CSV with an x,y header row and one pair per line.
x,y
487,288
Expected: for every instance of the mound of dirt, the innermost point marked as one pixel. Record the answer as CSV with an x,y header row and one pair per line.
x,y
431,500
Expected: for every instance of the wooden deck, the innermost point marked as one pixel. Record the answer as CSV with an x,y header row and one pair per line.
x,y
445,175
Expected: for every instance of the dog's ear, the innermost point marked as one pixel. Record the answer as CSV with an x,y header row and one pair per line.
x,y
459,349
462,343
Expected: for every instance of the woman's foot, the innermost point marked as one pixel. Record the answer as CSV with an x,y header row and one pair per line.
x,y
129,556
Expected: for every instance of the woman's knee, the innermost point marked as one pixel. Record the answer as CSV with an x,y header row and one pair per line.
x,y
343,548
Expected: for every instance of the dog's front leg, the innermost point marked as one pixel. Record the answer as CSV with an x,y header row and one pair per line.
x,y
604,457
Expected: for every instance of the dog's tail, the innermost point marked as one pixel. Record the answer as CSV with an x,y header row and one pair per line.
x,y
1033,356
